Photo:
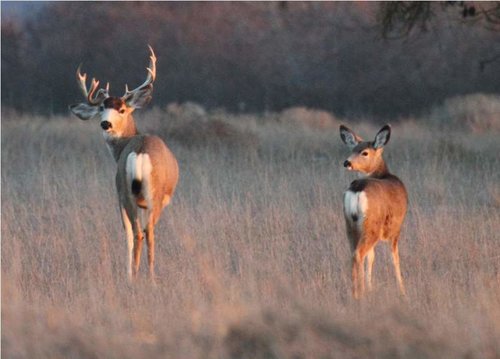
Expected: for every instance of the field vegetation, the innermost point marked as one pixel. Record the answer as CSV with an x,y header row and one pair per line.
x,y
252,255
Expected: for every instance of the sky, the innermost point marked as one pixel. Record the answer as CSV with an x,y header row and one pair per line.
x,y
20,9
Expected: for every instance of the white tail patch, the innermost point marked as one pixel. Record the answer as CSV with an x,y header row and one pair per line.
x,y
139,168
355,206
131,167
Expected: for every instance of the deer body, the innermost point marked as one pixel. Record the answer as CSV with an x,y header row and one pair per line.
x,y
146,178
147,172
374,206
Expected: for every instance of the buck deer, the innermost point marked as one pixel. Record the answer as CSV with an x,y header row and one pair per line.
x,y
147,171
374,206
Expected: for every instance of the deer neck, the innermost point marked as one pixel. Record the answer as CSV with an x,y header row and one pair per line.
x,y
116,144
380,171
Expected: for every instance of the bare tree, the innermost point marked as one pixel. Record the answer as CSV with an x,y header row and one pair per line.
x,y
399,18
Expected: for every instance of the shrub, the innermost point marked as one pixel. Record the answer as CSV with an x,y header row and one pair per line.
x,y
192,126
307,117
477,113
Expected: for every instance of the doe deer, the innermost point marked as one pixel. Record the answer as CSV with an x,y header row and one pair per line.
x,y
147,172
374,206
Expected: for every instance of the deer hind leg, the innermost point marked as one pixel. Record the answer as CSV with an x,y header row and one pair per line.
x,y
137,245
397,270
150,238
355,276
130,240
358,268
358,274
354,239
370,258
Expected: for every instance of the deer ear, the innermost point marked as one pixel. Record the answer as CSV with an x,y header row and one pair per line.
x,y
83,111
140,98
382,137
349,137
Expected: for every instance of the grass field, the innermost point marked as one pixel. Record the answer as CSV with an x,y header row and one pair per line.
x,y
252,255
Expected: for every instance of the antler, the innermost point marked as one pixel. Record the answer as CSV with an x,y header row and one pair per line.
x,y
149,79
89,94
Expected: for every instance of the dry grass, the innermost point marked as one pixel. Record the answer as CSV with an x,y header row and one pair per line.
x,y
252,256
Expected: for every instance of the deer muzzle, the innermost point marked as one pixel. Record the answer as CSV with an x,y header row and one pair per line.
x,y
106,125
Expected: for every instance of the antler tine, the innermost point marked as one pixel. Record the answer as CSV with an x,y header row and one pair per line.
x,y
93,88
150,77
81,79
152,64
101,93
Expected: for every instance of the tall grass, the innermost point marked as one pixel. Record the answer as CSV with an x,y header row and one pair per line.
x,y
252,256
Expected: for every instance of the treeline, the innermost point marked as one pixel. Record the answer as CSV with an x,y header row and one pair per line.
x,y
244,56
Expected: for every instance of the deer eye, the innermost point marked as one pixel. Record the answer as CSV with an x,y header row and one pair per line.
x,y
364,153
122,110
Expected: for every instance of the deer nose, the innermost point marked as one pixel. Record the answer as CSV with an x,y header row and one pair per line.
x,y
347,163
106,125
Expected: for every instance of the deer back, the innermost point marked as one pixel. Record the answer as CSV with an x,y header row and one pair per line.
x,y
163,171
385,206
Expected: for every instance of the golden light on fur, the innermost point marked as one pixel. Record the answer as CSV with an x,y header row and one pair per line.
x,y
374,206
147,172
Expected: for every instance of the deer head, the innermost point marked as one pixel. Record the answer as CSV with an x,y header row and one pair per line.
x,y
366,156
114,112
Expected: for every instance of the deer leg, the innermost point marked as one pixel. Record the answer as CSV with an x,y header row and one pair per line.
x,y
137,246
355,274
130,241
370,258
150,238
395,260
358,269
358,274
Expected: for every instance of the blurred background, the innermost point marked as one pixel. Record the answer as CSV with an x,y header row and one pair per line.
x,y
350,58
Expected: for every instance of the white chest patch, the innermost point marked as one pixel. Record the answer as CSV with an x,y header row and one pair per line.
x,y
355,206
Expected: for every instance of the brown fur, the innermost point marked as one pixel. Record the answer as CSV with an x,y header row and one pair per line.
x,y
113,102
163,180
